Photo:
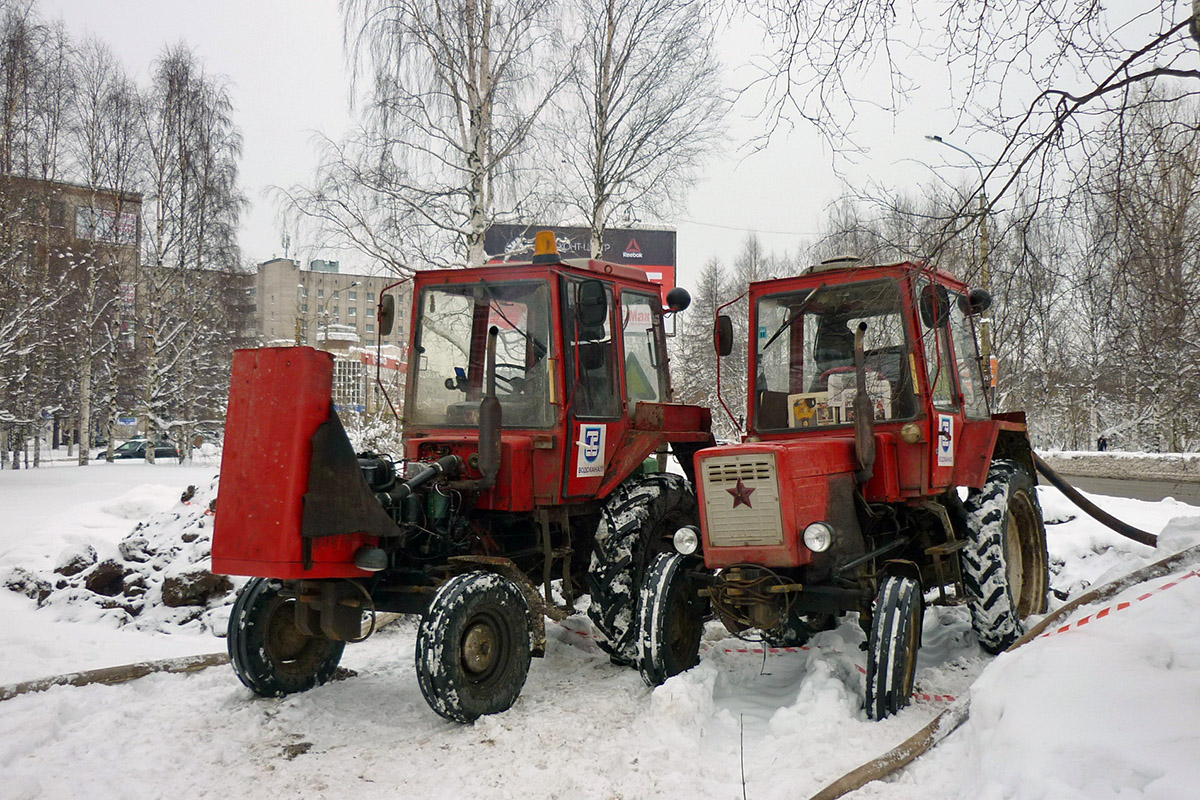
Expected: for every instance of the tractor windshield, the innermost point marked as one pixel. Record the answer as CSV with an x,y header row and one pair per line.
x,y
805,366
450,346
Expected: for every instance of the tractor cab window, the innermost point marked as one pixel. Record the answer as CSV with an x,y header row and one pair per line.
x,y
966,355
805,344
641,316
933,302
451,352
590,361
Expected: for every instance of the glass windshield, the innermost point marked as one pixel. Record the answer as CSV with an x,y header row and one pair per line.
x,y
450,347
805,376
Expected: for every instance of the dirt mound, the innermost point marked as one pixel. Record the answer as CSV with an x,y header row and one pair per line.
x,y
158,578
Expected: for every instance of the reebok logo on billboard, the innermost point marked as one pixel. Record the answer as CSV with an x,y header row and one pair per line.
x,y
632,250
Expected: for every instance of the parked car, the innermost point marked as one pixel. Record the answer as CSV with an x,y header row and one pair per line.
x,y
136,448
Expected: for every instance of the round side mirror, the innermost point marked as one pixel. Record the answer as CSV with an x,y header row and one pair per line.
x,y
678,299
975,302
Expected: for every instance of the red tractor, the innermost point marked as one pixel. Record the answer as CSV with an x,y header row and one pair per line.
x,y
868,411
535,393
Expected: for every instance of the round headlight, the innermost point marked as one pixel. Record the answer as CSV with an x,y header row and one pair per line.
x,y
687,540
910,433
818,537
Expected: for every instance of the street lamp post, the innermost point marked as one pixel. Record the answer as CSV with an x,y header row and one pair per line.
x,y
985,277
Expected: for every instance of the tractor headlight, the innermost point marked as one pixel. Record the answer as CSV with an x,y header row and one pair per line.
x,y
817,537
687,540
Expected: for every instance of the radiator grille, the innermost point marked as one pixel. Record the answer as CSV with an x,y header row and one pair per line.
x,y
755,519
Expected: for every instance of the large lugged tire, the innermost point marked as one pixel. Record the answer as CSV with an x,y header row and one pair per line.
x,y
670,620
892,646
473,647
1005,564
269,652
637,524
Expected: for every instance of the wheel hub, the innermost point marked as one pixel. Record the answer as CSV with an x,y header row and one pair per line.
x,y
479,648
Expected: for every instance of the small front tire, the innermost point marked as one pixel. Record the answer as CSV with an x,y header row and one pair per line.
x,y
473,647
671,620
269,652
892,646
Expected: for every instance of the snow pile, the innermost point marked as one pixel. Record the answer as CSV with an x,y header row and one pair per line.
x,y
155,578
1105,710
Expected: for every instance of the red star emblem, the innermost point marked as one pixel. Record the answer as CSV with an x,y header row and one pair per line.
x,y
741,494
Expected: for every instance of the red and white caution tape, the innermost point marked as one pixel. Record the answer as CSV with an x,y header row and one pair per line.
x,y
923,696
1107,610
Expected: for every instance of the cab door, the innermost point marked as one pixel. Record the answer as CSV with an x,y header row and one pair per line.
x,y
591,383
942,393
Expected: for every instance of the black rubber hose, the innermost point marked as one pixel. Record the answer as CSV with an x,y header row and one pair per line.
x,y
1090,508
446,465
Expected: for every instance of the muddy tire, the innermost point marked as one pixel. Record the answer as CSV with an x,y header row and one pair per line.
x,y
670,620
892,645
637,524
473,647
1005,564
269,652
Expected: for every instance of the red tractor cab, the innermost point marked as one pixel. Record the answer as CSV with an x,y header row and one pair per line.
x,y
867,411
535,393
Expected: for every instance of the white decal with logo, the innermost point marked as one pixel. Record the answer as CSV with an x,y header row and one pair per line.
x,y
590,461
945,440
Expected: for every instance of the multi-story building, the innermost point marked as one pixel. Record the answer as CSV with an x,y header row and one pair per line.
x,y
323,307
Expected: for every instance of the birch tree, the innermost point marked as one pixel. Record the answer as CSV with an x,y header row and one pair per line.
x,y
456,87
106,149
192,205
645,108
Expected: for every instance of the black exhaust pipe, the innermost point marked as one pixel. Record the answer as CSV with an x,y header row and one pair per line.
x,y
489,420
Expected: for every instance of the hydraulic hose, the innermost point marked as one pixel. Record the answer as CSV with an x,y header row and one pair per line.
x,y
446,465
1091,509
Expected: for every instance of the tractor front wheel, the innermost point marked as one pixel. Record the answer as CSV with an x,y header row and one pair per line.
x,y
268,650
473,647
1005,566
892,646
671,620
637,524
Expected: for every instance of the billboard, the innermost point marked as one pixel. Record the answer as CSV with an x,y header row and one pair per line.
x,y
652,250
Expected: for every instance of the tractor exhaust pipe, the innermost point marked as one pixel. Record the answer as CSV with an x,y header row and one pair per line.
x,y
864,411
489,420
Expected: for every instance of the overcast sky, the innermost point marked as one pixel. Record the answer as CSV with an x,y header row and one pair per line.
x,y
288,74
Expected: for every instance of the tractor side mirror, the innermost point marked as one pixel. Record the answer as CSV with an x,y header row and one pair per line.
x,y
591,304
935,306
723,335
678,300
387,314
975,302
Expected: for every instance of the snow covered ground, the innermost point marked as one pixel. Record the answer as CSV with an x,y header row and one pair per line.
x,y
1106,710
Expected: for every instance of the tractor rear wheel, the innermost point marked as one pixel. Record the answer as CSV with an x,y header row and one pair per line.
x,y
892,646
1005,563
671,620
269,652
637,524
473,646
